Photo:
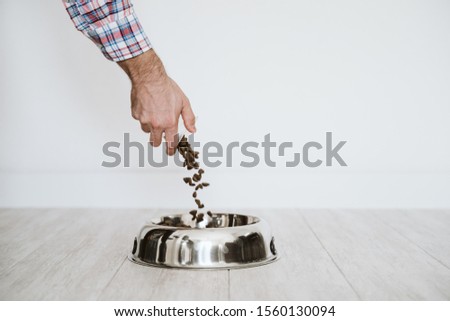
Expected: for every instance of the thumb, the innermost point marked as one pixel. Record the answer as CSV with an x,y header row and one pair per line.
x,y
188,116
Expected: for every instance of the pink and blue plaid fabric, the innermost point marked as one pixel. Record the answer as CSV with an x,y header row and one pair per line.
x,y
112,25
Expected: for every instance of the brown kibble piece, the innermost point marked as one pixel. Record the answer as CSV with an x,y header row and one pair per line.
x,y
201,171
199,186
205,184
183,142
193,212
188,180
194,195
200,217
198,202
209,213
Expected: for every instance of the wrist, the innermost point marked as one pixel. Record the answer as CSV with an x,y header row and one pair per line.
x,y
145,69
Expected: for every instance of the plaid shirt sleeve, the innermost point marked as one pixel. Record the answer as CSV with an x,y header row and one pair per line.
x,y
112,25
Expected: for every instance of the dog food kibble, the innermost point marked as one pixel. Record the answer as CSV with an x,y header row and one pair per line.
x,y
190,156
188,180
200,217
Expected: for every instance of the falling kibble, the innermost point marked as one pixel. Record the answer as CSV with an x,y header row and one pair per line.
x,y
190,156
188,180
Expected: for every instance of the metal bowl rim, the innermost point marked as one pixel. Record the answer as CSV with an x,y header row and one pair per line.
x,y
152,222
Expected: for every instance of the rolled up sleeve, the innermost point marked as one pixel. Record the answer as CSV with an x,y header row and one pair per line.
x,y
112,25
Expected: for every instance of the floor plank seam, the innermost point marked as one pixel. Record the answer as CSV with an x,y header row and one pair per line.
x,y
229,285
331,257
112,278
412,242
159,280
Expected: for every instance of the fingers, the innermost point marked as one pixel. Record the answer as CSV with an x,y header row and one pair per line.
x,y
172,140
156,137
159,113
146,128
188,116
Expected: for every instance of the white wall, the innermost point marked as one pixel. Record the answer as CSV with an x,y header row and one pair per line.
x,y
375,73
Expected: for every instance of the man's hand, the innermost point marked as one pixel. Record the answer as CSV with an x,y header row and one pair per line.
x,y
156,100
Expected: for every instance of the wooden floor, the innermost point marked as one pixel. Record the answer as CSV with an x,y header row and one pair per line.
x,y
325,255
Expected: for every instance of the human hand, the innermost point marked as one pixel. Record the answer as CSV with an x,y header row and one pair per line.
x,y
156,100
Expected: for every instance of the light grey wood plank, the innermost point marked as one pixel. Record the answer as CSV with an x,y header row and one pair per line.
x,y
23,231
378,262
428,229
131,282
137,282
304,272
14,220
77,261
192,285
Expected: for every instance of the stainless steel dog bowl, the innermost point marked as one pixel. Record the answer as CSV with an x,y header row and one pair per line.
x,y
225,241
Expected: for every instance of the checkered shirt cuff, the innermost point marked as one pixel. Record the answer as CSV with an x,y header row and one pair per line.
x,y
111,25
